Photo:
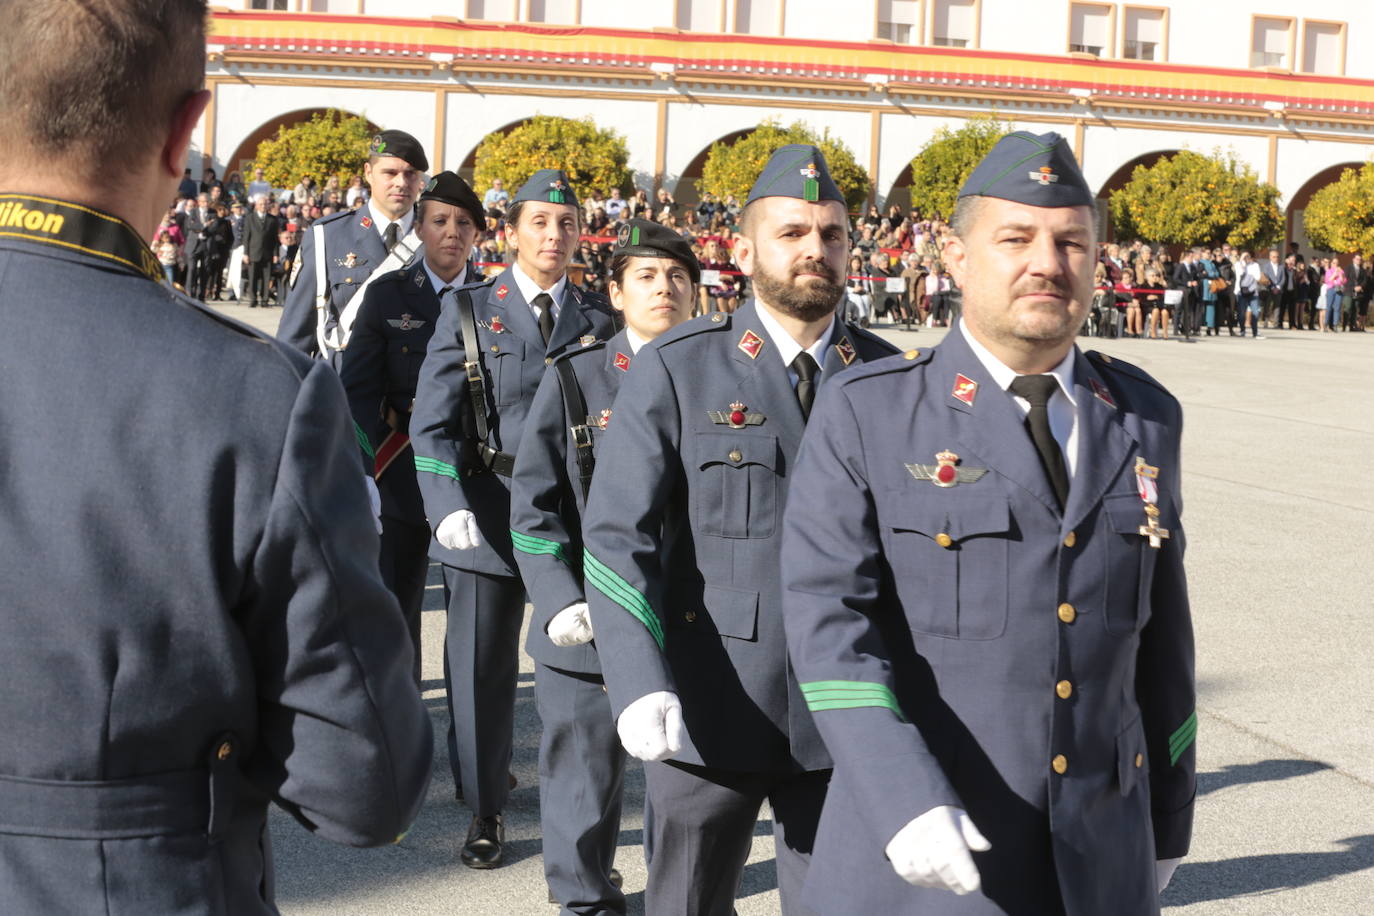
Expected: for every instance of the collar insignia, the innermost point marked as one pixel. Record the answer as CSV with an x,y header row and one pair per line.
x,y
622,362
965,389
751,344
502,291
945,473
1103,393
366,222
846,350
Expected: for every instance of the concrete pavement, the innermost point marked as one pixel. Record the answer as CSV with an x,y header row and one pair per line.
x,y
1280,520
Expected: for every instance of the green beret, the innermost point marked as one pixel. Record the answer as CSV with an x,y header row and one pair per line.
x,y
642,238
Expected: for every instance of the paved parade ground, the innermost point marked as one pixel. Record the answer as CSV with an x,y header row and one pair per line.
x,y
1279,512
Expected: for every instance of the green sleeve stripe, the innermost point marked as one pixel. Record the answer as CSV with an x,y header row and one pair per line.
x,y
1182,739
363,442
606,581
435,466
823,705
823,695
528,543
812,686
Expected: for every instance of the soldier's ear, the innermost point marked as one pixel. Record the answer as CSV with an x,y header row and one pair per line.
x,y
955,258
178,139
744,254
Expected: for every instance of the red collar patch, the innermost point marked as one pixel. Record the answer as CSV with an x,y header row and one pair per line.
x,y
751,344
965,389
622,362
846,350
502,291
1103,393
366,222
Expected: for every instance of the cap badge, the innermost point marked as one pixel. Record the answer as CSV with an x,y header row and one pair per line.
x,y
622,362
945,473
378,145
433,183
1044,176
846,350
811,188
622,237
965,389
735,417
1103,394
751,344
502,291
556,191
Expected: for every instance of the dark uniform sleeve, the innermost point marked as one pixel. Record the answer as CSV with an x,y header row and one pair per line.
x,y
345,741
540,493
363,373
297,325
637,471
438,425
1166,690
832,580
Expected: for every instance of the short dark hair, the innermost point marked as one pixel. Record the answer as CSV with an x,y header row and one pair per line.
x,y
92,81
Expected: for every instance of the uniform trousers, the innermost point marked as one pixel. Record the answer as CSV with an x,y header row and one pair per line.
x,y
481,664
404,562
581,777
703,826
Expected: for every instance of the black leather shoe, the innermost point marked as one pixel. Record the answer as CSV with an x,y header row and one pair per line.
x,y
615,877
483,848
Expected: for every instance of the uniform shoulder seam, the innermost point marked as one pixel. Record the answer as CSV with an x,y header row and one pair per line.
x,y
1131,370
574,354
691,328
898,361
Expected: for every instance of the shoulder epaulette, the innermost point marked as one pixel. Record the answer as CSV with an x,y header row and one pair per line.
x,y
716,321
1111,363
898,362
333,218
476,284
872,338
594,347
205,311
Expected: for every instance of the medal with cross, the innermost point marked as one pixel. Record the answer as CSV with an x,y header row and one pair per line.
x,y
1145,482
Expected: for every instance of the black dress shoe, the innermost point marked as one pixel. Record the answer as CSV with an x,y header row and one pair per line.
x,y
484,846
616,878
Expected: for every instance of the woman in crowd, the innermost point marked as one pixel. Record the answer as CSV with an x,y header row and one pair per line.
x,y
1208,292
1228,304
640,207
1126,299
856,289
1152,307
1302,296
219,240
356,191
722,296
168,255
1334,282
234,189
1102,314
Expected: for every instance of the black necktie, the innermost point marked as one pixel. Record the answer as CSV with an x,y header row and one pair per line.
x,y
444,292
544,302
1037,389
805,367
391,236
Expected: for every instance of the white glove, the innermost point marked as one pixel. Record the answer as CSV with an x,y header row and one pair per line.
x,y
374,497
651,726
1164,872
458,531
571,626
933,850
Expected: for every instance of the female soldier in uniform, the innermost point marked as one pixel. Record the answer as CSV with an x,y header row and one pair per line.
x,y
581,763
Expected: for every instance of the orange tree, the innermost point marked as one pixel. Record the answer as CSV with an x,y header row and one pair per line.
x,y
1340,216
330,143
945,162
732,168
594,158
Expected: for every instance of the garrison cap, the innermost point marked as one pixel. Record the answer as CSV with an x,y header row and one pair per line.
x,y
797,170
642,238
547,185
449,188
400,144
1039,171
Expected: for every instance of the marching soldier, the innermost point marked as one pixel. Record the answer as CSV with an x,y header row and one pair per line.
x,y
682,535
581,763
215,636
340,252
491,345
380,369
986,604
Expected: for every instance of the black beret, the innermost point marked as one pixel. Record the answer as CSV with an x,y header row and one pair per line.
x,y
400,144
799,171
642,238
1039,171
451,189
547,185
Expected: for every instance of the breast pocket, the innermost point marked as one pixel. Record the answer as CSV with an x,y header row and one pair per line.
x,y
737,486
505,361
1130,562
404,356
948,556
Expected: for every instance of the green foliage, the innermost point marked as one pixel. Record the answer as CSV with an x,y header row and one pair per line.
x,y
330,143
593,157
732,168
1340,216
1192,199
945,162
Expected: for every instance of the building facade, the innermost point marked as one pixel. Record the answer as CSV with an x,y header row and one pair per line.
x,y
1126,83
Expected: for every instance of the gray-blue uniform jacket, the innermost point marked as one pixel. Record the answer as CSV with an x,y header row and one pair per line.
x,y
380,369
194,625
971,645
546,494
513,360
682,534
350,233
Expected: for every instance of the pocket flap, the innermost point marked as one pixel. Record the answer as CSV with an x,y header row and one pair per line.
x,y
1126,513
957,516
737,449
1131,765
734,611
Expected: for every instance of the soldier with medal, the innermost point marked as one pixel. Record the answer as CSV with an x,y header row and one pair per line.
x,y
339,253
380,370
653,283
682,532
491,345
985,597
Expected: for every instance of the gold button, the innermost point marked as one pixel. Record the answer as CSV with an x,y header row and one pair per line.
x,y
405,349
548,360
1139,761
690,616
717,317
943,539
1070,539
1064,689
1067,613
225,751
1060,764
495,348
1106,359
736,456
911,354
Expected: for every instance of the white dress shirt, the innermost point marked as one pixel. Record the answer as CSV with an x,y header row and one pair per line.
x,y
380,221
1062,408
529,289
439,284
789,348
635,341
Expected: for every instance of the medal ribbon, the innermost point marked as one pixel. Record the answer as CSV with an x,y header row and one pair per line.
x,y
77,228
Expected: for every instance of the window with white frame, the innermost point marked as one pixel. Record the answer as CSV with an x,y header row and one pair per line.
x,y
757,17
1090,28
698,15
273,5
954,23
1142,36
899,21
1323,48
1271,40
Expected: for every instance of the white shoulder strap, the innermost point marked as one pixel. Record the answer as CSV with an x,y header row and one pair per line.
x,y
400,256
321,291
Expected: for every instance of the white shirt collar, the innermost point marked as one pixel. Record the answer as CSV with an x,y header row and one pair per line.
x,y
380,221
529,289
786,346
439,284
1004,375
635,340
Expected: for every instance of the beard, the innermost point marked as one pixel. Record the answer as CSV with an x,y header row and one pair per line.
x,y
806,302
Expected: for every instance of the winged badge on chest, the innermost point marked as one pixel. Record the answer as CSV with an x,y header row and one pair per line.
x,y
946,473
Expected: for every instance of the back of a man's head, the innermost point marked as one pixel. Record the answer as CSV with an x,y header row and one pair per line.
x,y
95,83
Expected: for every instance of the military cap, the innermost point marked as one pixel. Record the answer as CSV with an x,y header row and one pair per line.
x,y
449,188
797,170
547,185
1039,171
400,144
642,238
